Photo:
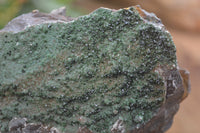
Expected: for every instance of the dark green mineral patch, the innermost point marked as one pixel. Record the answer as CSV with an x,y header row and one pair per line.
x,y
89,72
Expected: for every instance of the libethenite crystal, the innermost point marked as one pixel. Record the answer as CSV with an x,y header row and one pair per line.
x,y
109,71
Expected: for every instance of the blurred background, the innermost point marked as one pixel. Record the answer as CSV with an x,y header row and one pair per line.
x,y
182,19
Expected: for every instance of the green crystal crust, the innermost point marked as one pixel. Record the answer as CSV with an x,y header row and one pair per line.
x,y
87,72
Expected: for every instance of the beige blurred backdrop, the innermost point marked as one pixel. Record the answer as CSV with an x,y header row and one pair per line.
x,y
182,19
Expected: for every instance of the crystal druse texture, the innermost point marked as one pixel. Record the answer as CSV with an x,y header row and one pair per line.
x,y
110,71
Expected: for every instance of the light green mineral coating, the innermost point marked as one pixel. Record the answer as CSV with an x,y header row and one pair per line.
x,y
99,67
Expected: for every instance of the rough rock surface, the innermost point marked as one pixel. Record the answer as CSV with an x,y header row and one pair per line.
x,y
20,125
109,71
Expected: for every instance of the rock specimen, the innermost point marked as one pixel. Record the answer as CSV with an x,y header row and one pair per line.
x,y
109,71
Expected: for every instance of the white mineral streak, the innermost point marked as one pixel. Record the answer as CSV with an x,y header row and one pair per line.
x,y
118,127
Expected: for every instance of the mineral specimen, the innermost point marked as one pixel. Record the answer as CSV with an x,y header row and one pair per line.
x,y
109,71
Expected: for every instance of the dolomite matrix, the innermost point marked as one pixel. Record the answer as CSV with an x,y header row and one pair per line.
x,y
112,71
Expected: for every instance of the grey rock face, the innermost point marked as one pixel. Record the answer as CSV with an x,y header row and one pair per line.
x,y
19,125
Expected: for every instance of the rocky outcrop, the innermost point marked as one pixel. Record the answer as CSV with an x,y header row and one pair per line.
x,y
109,71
